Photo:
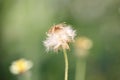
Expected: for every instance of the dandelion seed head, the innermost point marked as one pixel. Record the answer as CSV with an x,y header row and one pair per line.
x,y
58,36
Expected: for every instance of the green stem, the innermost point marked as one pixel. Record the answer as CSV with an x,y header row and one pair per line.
x,y
80,69
20,77
28,75
66,64
25,76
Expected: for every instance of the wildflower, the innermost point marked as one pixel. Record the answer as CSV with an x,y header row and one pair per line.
x,y
82,46
20,66
59,36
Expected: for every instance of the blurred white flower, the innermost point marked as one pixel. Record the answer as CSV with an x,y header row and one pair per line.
x,y
20,66
82,46
59,36
84,43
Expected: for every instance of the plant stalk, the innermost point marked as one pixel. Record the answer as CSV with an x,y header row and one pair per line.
x,y
66,64
80,69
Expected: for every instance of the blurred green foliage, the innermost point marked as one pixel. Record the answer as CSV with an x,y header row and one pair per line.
x,y
23,24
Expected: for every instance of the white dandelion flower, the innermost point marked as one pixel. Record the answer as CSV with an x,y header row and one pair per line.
x,y
59,36
20,66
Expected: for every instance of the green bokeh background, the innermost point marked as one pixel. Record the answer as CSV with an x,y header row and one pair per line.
x,y
23,24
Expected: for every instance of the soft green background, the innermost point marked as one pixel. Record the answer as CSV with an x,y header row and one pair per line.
x,y
23,24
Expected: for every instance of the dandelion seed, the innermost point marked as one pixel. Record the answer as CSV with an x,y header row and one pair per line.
x,y
59,36
20,66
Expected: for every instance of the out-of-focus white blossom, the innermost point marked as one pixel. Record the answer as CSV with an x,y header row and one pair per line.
x,y
82,46
59,36
20,66
84,43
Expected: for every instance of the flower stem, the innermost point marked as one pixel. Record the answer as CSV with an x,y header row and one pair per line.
x,y
25,76
80,69
28,75
66,64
